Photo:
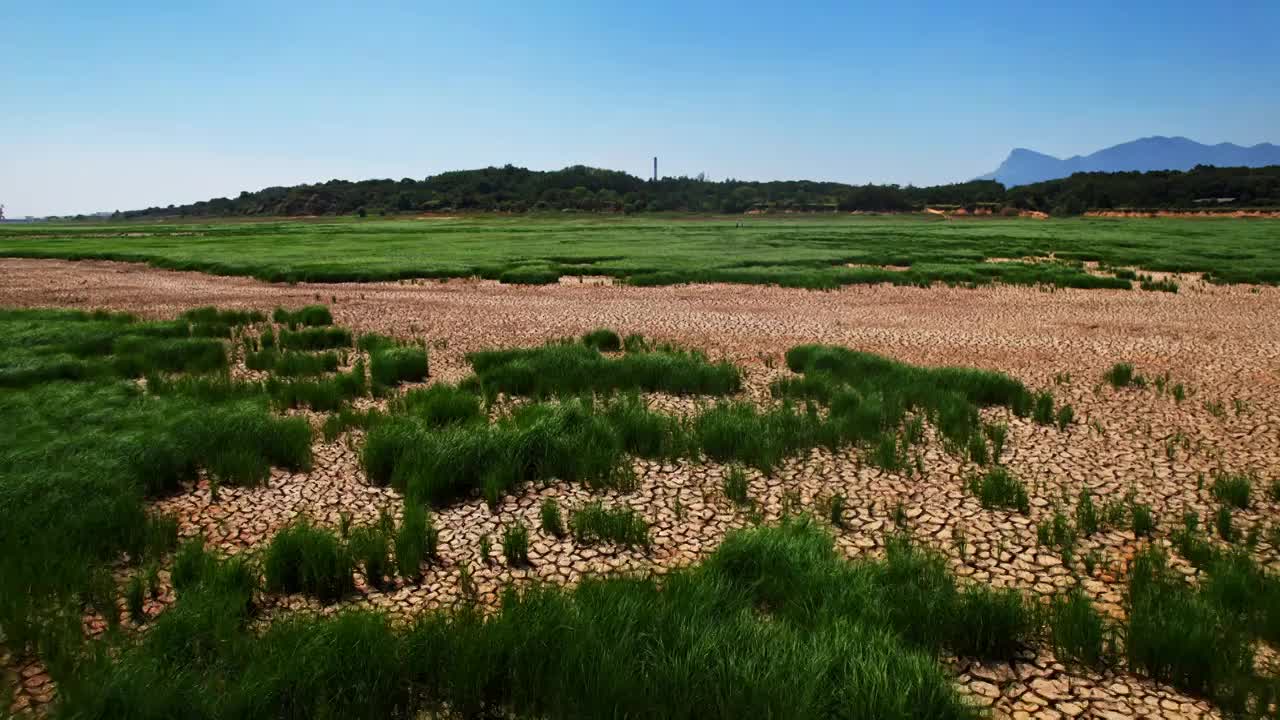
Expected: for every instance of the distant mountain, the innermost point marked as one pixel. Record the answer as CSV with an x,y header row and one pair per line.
x,y
1023,166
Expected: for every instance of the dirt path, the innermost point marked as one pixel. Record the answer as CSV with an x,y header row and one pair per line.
x,y
1221,343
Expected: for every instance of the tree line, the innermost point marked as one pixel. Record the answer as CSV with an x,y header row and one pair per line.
x,y
586,189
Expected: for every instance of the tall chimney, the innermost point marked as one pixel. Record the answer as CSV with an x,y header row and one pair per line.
x,y
655,168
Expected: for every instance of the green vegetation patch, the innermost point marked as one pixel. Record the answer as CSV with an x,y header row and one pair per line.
x,y
818,252
780,625
85,448
567,368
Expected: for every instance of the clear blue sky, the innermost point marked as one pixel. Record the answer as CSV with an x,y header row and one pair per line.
x,y
132,104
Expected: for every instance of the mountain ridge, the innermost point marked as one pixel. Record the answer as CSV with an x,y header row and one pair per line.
x,y
1025,166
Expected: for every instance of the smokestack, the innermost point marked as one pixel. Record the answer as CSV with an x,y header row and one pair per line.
x,y
655,168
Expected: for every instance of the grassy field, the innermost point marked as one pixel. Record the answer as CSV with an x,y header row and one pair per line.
x,y
810,251
774,622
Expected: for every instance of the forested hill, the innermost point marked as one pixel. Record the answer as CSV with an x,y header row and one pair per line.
x,y
585,189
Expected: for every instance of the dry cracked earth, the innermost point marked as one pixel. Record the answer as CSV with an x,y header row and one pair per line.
x,y
1221,343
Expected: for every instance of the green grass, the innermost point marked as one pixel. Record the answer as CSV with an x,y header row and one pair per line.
x,y
774,623
735,486
570,441
370,548
1076,630
90,448
390,367
563,368
550,518
594,523
315,338
324,394
1232,488
435,446
292,364
1120,375
440,405
210,315
801,252
308,316
416,541
1143,522
998,488
869,397
603,339
1200,639
515,544
303,558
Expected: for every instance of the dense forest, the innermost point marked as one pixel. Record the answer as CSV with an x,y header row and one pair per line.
x,y
585,189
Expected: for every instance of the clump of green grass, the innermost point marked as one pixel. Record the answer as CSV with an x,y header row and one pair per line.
x,y
735,486
371,549
1233,489
373,342
561,369
997,433
835,510
1167,285
135,599
325,395
1120,375
1043,412
594,523
1065,417
978,450
1087,520
868,399
570,441
1178,635
515,544
730,431
211,315
391,366
315,338
998,488
417,540
635,343
1076,629
308,316
1143,521
303,558
551,519
137,356
1223,522
291,364
441,405
603,339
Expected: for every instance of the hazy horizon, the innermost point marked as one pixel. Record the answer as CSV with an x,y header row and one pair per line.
x,y
151,105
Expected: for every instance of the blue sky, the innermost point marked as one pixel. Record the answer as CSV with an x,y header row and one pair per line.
x,y
132,104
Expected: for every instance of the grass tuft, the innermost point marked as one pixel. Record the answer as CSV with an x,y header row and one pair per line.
x,y
303,558
391,366
309,316
603,339
315,338
998,488
594,523
515,544
550,518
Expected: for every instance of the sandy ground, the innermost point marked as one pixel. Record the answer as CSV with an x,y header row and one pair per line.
x,y
1221,343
